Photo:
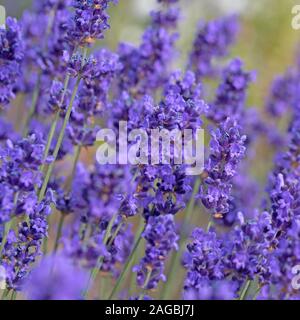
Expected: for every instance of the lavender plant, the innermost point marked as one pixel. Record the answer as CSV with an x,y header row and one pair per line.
x,y
76,229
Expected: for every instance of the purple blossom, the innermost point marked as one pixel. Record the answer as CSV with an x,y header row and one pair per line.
x,y
11,54
101,194
23,247
226,151
56,278
212,290
161,238
212,40
89,22
256,236
283,95
231,94
152,58
98,75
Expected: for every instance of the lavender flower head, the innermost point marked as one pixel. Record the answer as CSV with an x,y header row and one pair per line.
x,y
212,41
90,21
231,94
161,238
226,151
11,54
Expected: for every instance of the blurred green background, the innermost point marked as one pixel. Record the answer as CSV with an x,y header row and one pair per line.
x,y
266,42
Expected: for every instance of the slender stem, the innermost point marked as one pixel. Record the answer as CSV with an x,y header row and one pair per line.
x,y
37,85
68,186
51,21
62,132
43,189
191,205
68,189
148,278
210,224
256,293
175,261
7,227
32,107
5,294
14,295
55,121
59,142
128,262
115,234
59,231
245,290
49,140
100,260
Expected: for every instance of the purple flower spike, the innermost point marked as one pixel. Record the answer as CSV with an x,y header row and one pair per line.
x,y
11,55
212,40
226,151
160,238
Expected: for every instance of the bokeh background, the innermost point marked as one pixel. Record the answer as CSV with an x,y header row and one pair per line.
x,y
266,43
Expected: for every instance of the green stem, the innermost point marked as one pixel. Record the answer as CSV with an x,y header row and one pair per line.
x,y
68,189
210,224
59,142
115,234
5,294
148,278
256,293
43,189
62,132
14,295
37,86
50,138
32,107
55,121
175,261
7,227
128,262
100,260
245,290
68,186
59,231
191,205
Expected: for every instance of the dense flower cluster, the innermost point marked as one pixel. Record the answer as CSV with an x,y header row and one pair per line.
x,y
231,94
212,40
11,55
94,204
68,224
161,238
152,58
20,176
90,21
227,150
